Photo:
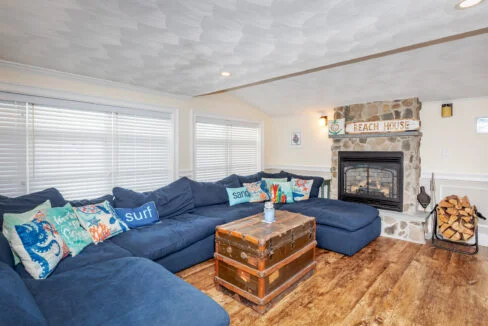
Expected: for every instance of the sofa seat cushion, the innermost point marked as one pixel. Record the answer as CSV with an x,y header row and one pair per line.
x,y
337,213
17,305
93,254
230,213
126,291
170,235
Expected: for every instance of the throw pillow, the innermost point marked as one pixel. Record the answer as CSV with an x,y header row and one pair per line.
x,y
39,246
301,189
281,192
270,181
135,217
66,222
258,191
100,220
238,195
12,219
317,182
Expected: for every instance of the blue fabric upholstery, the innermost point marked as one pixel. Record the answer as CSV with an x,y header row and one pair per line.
x,y
336,213
209,193
230,213
171,200
5,252
194,254
281,174
230,181
27,202
317,182
93,254
168,236
347,242
126,291
250,178
84,202
17,305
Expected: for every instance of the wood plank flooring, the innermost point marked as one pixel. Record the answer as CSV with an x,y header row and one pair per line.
x,y
390,282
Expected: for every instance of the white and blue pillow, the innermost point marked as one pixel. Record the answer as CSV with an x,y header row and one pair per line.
x,y
135,217
238,195
258,191
39,247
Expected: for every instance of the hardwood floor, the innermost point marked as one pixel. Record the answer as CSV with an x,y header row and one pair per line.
x,y
390,282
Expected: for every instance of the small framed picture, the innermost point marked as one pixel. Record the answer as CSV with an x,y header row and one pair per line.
x,y
482,125
296,138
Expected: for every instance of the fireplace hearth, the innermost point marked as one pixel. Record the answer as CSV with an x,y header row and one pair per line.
x,y
370,177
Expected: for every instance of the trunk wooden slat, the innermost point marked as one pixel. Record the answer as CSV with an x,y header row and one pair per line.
x,y
259,262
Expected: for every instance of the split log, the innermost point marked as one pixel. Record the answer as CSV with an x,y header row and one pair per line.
x,y
455,218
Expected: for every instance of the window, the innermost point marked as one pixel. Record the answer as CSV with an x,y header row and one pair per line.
x,y
82,149
223,147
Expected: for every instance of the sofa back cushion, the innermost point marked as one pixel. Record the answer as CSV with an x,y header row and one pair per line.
x,y
84,202
212,193
171,200
279,175
17,305
250,178
27,202
317,182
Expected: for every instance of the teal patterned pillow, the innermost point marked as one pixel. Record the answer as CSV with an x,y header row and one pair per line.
x,y
281,192
258,191
100,221
39,246
68,226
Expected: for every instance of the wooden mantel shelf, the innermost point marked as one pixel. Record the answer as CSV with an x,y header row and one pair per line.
x,y
373,135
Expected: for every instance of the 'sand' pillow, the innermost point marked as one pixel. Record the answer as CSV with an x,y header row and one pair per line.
x,y
238,195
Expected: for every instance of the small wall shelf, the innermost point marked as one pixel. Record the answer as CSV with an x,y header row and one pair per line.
x,y
373,135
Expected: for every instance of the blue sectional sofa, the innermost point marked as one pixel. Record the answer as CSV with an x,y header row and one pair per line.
x,y
128,280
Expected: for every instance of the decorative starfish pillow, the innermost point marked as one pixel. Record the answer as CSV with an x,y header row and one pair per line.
x,y
301,189
100,221
39,246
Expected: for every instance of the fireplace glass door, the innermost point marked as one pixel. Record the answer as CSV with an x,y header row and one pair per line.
x,y
374,178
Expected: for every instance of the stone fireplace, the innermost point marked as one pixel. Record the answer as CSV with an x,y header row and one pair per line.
x,y
374,178
380,184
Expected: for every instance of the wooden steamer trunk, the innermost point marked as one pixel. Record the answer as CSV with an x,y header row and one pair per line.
x,y
259,263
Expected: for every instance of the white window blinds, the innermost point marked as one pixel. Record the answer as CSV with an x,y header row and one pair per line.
x,y
222,147
83,152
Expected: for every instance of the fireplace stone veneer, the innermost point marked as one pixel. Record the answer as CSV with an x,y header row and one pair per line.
x,y
406,142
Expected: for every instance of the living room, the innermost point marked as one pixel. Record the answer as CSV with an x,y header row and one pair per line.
x,y
244,162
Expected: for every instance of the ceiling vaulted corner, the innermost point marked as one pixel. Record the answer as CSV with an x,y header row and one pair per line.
x,y
181,47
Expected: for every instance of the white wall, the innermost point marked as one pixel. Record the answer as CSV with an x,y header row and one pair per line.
x,y
46,82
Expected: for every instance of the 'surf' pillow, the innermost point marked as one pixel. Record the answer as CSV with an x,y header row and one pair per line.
x,y
135,217
171,200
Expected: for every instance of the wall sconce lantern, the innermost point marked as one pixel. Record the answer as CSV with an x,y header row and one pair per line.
x,y
446,110
324,121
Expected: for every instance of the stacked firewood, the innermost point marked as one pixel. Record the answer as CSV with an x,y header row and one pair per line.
x,y
456,218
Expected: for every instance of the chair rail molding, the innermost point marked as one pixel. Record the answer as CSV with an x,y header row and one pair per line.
x,y
311,168
480,177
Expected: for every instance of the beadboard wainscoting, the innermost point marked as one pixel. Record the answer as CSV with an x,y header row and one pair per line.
x,y
475,186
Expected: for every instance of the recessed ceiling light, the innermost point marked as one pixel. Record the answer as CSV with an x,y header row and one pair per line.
x,y
465,4
225,74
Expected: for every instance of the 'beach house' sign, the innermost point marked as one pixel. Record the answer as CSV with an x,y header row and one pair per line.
x,y
382,126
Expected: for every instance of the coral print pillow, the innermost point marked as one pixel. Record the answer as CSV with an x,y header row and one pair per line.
x,y
100,221
280,192
301,189
39,246
258,191
68,225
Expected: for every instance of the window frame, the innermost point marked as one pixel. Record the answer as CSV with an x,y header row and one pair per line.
x,y
197,113
61,99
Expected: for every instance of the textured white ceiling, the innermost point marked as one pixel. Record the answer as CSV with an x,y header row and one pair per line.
x,y
446,71
181,46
